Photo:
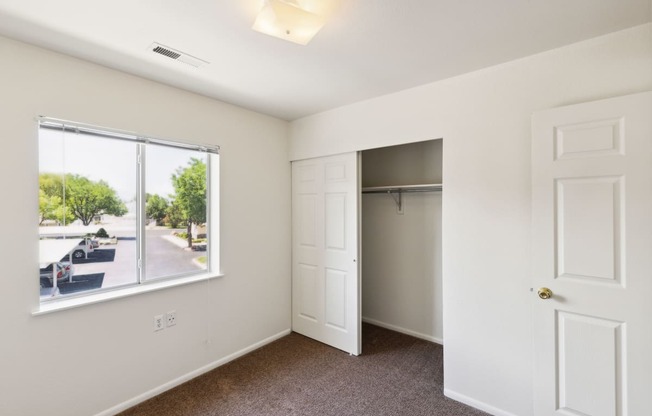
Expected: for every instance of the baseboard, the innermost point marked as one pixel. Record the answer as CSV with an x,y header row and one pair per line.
x,y
189,376
477,404
403,330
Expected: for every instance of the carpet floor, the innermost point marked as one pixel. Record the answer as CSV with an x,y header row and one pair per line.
x,y
297,376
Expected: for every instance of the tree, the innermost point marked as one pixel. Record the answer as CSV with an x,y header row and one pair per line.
x,y
190,193
174,216
156,207
87,199
47,206
51,199
73,196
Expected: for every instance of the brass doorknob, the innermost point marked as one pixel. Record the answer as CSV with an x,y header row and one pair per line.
x,y
544,293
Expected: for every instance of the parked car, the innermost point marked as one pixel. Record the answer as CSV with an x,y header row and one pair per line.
x,y
85,246
199,247
64,271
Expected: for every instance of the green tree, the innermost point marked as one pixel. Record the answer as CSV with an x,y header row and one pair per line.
x,y
51,206
156,207
51,184
87,198
174,216
190,193
74,196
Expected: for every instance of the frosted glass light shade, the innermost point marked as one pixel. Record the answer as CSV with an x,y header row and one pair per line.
x,y
288,22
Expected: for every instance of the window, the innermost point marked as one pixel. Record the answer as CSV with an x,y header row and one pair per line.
x,y
119,210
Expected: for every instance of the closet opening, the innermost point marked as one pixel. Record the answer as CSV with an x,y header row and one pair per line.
x,y
401,235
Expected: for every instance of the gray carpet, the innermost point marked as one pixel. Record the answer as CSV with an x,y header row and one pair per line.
x,y
396,375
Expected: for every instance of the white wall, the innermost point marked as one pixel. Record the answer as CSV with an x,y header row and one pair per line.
x,y
90,359
401,253
484,118
402,264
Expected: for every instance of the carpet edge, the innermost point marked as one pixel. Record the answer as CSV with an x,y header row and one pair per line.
x,y
189,376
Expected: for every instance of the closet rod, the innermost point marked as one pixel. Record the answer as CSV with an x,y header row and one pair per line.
x,y
431,187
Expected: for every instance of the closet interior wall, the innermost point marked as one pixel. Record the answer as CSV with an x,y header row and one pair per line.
x,y
401,252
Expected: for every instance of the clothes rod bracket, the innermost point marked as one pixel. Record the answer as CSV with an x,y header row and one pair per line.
x,y
396,191
398,199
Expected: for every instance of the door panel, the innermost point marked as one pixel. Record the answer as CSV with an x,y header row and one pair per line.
x,y
335,299
308,212
589,139
584,342
325,276
335,221
587,212
306,294
592,245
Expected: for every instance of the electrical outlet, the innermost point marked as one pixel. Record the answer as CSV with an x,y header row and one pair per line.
x,y
159,323
171,318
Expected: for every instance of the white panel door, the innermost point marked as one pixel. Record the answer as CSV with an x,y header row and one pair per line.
x,y
325,275
592,247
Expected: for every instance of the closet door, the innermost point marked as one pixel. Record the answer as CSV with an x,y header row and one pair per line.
x,y
325,276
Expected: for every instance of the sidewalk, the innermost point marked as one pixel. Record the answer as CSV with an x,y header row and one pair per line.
x,y
179,242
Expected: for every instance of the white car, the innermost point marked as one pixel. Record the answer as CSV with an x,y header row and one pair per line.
x,y
81,251
64,271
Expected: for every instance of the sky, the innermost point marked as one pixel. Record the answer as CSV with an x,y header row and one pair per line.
x,y
113,161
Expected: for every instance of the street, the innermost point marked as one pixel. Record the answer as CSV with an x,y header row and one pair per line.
x,y
118,262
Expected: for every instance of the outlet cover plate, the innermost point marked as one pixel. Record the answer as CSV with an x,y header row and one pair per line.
x,y
171,318
159,323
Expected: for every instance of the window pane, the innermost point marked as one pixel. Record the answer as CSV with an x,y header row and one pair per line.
x,y
87,198
176,205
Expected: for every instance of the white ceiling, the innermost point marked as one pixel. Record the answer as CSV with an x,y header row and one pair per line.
x,y
367,48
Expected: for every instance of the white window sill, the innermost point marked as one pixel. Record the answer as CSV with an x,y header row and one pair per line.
x,y
61,304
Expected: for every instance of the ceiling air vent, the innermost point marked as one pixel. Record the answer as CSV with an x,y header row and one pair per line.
x,y
166,52
176,55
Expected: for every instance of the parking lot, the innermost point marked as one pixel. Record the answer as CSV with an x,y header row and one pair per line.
x,y
115,265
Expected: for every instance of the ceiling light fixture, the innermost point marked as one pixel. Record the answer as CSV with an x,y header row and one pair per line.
x,y
286,20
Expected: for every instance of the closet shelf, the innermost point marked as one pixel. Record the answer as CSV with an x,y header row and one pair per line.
x,y
428,187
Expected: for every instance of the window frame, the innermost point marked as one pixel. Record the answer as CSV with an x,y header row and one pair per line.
x,y
142,283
